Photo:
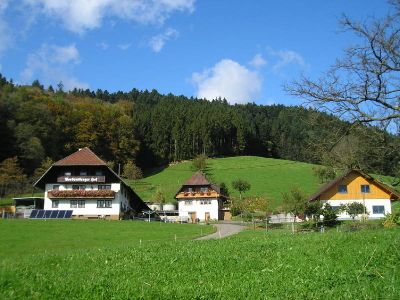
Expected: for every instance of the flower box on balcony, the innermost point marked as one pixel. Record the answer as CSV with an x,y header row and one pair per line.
x,y
208,193
193,193
201,193
185,194
82,194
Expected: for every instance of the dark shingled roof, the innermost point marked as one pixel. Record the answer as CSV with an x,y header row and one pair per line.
x,y
82,157
334,182
198,178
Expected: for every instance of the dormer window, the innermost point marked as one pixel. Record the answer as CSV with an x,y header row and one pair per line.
x,y
342,189
365,188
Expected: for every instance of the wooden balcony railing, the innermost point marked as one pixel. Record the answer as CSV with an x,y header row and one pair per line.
x,y
101,194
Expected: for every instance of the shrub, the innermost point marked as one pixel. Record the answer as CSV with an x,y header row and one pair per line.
x,y
391,220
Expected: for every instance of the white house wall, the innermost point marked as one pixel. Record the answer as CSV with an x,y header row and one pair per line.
x,y
199,209
369,203
119,203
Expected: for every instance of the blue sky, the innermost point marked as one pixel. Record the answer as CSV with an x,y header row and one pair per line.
x,y
241,50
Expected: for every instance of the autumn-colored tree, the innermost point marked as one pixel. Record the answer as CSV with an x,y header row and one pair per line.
x,y
11,176
44,166
131,171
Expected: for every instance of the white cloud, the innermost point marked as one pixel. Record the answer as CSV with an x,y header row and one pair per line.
x,y
286,58
52,64
124,46
81,15
103,45
65,55
3,5
230,80
257,61
158,42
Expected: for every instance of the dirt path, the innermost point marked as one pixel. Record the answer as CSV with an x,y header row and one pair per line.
x,y
223,230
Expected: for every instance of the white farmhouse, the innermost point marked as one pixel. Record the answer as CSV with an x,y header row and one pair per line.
x,y
83,183
200,200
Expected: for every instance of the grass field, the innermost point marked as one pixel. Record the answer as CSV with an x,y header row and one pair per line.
x,y
251,265
268,177
23,237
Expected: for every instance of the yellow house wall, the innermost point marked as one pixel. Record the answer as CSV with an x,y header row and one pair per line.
x,y
354,182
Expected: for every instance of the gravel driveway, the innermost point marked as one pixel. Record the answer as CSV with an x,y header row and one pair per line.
x,y
223,230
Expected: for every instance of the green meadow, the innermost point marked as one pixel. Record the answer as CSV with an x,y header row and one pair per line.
x,y
24,237
254,264
268,177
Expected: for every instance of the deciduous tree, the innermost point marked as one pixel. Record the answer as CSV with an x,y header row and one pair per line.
x,y
363,86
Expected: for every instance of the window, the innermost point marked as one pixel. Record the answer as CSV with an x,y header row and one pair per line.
x,y
56,187
73,203
188,202
378,209
190,190
104,186
81,203
67,173
204,189
54,203
342,189
365,188
78,187
335,208
83,173
99,173
104,203
205,202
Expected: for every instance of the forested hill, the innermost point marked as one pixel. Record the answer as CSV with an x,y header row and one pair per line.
x,y
153,129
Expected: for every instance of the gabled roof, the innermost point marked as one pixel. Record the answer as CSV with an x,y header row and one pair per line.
x,y
337,180
198,178
82,157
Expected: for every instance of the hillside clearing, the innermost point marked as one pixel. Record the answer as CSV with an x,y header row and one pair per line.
x,y
268,177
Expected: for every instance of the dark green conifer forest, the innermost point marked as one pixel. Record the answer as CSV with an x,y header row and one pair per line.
x,y
152,130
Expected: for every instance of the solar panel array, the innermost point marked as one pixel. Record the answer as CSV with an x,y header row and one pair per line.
x,y
50,214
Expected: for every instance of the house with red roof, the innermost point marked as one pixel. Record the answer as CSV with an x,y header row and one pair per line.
x,y
83,183
200,200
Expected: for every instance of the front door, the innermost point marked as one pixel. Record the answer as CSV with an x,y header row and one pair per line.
x,y
192,217
207,216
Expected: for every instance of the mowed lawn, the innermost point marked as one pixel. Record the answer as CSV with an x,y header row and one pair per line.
x,y
268,177
251,265
20,238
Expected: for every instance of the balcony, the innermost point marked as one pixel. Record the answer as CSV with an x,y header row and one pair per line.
x,y
70,194
197,194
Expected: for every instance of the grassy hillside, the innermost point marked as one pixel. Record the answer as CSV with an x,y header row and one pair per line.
x,y
268,177
251,265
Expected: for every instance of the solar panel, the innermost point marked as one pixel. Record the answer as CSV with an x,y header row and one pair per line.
x,y
54,214
40,214
47,214
34,213
61,214
68,214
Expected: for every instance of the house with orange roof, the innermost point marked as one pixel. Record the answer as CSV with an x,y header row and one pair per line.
x,y
357,186
83,183
198,199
